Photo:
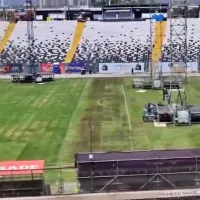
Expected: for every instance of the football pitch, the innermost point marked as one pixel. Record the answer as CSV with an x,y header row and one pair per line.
x,y
56,120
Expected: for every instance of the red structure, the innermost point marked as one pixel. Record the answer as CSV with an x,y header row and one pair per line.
x,y
28,167
22,178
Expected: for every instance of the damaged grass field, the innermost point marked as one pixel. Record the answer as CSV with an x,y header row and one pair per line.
x,y
56,120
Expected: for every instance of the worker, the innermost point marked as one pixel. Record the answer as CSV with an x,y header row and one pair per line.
x,y
165,94
145,111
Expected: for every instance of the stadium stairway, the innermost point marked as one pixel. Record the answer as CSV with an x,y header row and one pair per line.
x,y
7,36
160,31
77,37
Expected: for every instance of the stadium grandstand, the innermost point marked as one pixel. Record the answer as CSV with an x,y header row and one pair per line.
x,y
98,43
114,39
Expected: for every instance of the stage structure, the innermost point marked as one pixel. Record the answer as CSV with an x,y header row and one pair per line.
x,y
156,37
138,171
178,11
157,33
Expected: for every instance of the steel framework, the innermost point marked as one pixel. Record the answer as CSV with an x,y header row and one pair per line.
x,y
31,58
178,14
30,28
155,72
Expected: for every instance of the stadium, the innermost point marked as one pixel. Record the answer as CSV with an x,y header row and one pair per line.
x,y
100,103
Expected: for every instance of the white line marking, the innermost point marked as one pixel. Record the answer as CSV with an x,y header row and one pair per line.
x,y
100,104
127,110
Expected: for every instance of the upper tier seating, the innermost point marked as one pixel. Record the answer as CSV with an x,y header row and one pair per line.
x,y
52,41
101,42
193,43
3,27
114,42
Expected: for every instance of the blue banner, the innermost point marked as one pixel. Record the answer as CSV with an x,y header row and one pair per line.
x,y
75,67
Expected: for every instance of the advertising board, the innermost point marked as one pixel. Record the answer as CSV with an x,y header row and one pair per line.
x,y
47,67
191,67
11,69
75,67
123,68
21,167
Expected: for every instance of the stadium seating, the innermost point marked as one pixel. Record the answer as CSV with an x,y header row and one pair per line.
x,y
114,42
52,41
193,35
101,42
3,27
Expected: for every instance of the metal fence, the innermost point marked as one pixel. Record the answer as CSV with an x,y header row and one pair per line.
x,y
62,180
59,179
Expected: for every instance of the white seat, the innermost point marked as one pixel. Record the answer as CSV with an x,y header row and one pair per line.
x,y
52,41
114,42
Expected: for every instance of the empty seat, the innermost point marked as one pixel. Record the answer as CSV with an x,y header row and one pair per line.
x,y
114,42
52,41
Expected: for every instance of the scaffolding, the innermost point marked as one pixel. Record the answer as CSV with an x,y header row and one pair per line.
x,y
178,13
31,58
155,63
156,36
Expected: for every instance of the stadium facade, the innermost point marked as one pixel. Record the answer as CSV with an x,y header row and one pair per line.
x,y
61,3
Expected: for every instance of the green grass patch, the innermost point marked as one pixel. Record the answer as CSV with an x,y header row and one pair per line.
x,y
56,120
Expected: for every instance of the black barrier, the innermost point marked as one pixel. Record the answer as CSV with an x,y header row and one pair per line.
x,y
139,170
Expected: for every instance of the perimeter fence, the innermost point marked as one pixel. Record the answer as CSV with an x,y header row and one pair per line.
x,y
61,179
58,179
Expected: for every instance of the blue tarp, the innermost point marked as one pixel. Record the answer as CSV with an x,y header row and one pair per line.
x,y
158,17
